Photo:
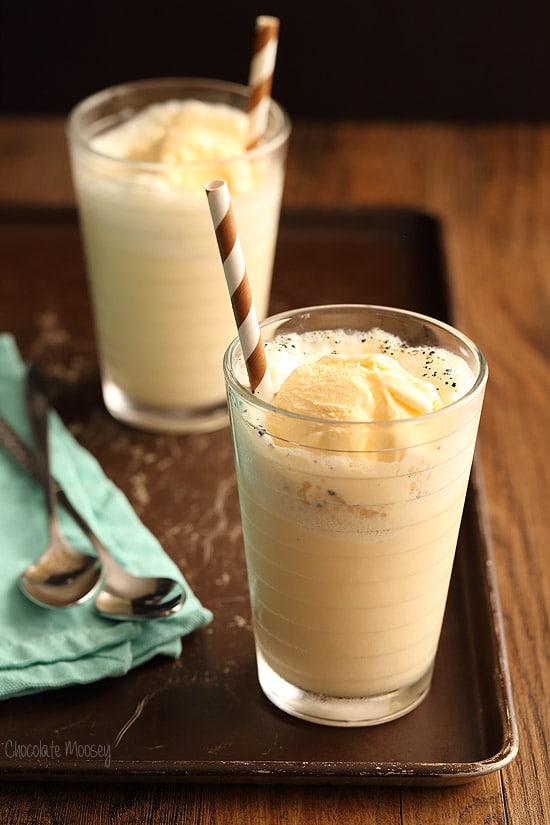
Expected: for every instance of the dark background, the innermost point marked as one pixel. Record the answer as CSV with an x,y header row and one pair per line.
x,y
467,60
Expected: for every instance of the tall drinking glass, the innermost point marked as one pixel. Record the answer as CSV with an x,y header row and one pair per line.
x,y
160,303
350,528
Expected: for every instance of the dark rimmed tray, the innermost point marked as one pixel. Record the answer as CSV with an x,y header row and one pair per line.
x,y
203,717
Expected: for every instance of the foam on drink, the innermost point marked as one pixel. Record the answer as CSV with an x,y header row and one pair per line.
x,y
183,135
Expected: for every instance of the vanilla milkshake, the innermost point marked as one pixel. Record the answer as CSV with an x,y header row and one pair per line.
x,y
141,154
351,485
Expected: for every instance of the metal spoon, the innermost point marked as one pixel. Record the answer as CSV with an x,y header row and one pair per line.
x,y
49,581
62,576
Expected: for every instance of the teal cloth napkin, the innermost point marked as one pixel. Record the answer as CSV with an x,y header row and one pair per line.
x,y
40,648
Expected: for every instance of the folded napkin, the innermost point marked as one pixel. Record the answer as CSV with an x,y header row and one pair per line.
x,y
40,648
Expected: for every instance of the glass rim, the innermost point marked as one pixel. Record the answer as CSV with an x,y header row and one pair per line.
x,y
246,393
76,135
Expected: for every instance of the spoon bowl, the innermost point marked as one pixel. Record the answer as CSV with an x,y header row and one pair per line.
x,y
160,597
61,576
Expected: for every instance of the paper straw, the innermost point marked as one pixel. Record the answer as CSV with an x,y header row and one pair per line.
x,y
236,276
260,78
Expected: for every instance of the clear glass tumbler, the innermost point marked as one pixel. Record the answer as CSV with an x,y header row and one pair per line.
x,y
161,309
350,549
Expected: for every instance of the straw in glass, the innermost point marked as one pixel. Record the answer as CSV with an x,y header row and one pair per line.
x,y
260,79
242,302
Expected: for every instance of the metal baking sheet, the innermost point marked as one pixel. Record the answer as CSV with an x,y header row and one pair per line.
x,y
203,717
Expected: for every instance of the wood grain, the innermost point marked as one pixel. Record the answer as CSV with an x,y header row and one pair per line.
x,y
490,185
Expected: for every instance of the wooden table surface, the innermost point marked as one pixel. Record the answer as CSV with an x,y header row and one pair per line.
x,y
490,186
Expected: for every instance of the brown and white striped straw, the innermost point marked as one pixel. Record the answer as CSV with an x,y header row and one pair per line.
x,y
260,78
236,276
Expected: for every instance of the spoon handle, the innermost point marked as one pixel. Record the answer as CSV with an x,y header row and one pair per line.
x,y
18,450
37,409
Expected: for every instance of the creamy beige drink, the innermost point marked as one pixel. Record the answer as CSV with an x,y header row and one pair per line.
x,y
352,485
160,305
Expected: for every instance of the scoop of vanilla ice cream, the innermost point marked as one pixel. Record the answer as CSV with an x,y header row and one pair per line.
x,y
374,387
363,379
192,138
